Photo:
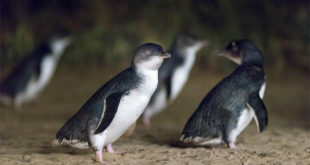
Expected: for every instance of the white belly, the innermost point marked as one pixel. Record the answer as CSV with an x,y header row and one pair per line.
x,y
243,121
159,103
246,117
178,81
180,76
129,110
47,69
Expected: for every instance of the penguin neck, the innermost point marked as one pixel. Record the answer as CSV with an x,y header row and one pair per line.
x,y
189,56
253,58
146,72
57,53
58,47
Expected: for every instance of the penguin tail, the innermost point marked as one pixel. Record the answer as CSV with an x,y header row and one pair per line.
x,y
200,141
56,142
73,143
59,139
181,138
185,139
68,138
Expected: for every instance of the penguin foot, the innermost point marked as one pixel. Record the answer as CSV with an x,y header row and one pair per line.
x,y
232,145
111,150
98,156
147,121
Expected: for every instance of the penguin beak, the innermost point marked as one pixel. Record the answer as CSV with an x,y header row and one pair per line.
x,y
223,53
228,54
65,41
166,55
203,43
69,39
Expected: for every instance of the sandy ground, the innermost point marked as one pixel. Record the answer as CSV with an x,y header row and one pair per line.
x,y
25,135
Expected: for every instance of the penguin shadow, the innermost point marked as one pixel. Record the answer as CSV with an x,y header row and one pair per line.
x,y
172,140
8,108
50,149
170,137
164,136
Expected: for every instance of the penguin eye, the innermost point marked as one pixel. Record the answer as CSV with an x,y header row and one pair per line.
x,y
235,49
189,42
148,52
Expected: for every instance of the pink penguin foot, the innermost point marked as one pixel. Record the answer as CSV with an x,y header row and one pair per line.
x,y
147,121
98,156
232,145
111,150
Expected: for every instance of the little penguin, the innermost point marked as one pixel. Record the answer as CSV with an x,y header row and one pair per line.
x,y
116,105
31,76
174,73
231,105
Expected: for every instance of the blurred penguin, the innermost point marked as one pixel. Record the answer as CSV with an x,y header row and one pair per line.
x,y
173,74
32,75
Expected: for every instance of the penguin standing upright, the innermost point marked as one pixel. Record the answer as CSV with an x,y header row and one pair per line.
x,y
32,75
173,74
230,106
116,105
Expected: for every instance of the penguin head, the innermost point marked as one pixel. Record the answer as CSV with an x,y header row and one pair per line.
x,y
59,43
149,56
186,42
242,51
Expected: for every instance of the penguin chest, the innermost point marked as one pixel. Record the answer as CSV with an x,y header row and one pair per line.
x,y
35,85
130,108
48,67
246,115
180,76
242,122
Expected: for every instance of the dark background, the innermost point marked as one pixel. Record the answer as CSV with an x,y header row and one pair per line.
x,y
107,32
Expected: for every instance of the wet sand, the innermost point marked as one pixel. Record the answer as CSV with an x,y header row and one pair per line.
x,y
25,135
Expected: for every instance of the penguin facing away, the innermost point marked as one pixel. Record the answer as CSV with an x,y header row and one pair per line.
x,y
31,76
116,105
230,106
173,73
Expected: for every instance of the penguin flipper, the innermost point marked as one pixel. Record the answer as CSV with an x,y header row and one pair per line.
x,y
168,83
111,106
37,70
96,115
261,115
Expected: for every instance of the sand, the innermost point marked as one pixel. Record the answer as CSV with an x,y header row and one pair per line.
x,y
25,135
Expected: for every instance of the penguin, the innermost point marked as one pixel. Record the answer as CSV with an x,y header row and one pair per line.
x,y
174,73
231,105
31,76
116,105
